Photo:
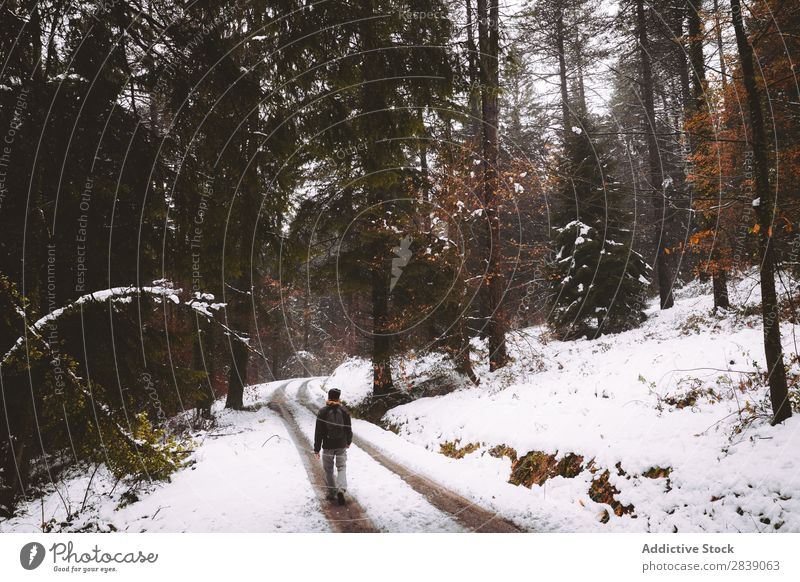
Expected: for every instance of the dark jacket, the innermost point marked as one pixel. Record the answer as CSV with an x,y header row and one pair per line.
x,y
321,432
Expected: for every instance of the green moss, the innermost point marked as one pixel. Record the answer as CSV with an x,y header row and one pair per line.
x,y
500,451
602,491
536,467
657,472
452,450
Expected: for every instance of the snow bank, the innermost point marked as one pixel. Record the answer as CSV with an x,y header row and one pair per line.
x,y
671,395
353,378
410,374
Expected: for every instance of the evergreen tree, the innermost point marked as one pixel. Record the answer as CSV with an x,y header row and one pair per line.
x,y
599,281
387,71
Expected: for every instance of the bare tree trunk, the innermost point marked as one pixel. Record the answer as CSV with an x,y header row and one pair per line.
x,y
765,208
474,81
382,383
488,33
663,271
481,310
463,362
306,323
720,283
240,357
581,106
374,102
698,104
201,360
562,73
678,14
720,47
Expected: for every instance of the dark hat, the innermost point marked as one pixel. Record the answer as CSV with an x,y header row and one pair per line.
x,y
334,394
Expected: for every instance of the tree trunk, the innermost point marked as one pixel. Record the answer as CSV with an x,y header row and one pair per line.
x,y
663,271
723,75
765,208
240,356
679,12
720,281
382,383
582,108
376,158
698,73
488,33
306,323
562,73
200,361
474,81
237,376
463,362
475,66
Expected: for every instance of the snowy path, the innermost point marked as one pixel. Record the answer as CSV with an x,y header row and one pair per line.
x,y
255,472
391,504
345,519
468,515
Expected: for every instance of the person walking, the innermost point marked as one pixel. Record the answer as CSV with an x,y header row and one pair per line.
x,y
333,434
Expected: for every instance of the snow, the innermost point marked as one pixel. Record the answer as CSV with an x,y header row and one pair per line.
x,y
605,400
612,400
353,378
246,477
583,229
72,77
391,503
114,294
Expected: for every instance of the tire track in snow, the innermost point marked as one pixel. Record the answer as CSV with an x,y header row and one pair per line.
x,y
392,504
349,518
465,512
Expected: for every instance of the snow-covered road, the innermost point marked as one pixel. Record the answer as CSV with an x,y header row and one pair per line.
x,y
391,504
254,472
469,515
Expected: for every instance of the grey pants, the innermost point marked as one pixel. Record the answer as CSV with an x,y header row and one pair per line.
x,y
332,487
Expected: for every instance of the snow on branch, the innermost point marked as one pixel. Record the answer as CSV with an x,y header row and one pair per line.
x,y
201,303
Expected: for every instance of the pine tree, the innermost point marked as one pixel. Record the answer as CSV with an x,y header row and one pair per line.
x,y
386,72
599,281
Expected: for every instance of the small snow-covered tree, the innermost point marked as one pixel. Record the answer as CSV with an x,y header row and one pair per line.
x,y
599,281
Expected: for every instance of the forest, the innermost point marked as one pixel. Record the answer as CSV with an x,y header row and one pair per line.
x,y
439,199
